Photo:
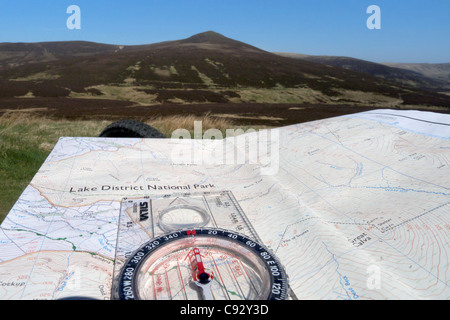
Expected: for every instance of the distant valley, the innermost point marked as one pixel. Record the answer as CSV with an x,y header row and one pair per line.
x,y
433,77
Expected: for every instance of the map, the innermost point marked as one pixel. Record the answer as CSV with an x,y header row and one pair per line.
x,y
355,207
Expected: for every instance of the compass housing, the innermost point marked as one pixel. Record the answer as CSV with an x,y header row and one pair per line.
x,y
243,269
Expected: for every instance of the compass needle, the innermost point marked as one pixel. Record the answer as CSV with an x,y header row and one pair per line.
x,y
188,261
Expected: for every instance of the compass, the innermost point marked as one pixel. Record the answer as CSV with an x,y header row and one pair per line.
x,y
203,264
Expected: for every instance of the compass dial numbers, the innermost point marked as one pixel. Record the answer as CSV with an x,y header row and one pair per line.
x,y
239,268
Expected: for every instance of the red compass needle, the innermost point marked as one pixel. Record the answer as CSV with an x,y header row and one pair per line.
x,y
201,278
198,269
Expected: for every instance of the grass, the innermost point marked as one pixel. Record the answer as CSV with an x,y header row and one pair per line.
x,y
38,76
124,93
168,124
26,141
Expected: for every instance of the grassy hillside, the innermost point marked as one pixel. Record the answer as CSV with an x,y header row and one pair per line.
x,y
205,68
433,77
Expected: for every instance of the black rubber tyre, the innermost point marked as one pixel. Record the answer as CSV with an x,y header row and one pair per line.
x,y
130,129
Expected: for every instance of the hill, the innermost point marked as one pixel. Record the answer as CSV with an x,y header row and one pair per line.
x,y
18,54
207,68
432,77
438,71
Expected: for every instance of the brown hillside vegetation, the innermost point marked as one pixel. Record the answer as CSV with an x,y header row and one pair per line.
x,y
206,71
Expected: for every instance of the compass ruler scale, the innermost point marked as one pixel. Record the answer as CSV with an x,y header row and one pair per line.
x,y
193,246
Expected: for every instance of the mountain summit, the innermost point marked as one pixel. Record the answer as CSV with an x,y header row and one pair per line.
x,y
208,37
214,40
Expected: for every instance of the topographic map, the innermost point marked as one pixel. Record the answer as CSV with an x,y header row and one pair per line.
x,y
355,207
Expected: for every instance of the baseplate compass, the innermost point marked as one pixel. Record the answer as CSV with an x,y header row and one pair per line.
x,y
193,246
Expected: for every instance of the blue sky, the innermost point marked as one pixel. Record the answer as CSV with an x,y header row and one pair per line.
x,y
411,30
